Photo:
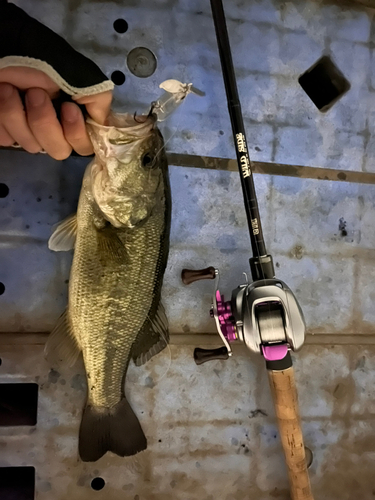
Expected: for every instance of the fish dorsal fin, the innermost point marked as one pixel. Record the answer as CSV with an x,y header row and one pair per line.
x,y
152,338
62,344
64,235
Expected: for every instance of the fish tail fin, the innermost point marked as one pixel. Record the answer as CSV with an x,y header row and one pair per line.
x,y
116,429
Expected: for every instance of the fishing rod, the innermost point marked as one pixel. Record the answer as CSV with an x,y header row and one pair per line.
x,y
264,314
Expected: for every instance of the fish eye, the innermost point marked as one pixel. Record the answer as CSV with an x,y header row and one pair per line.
x,y
148,161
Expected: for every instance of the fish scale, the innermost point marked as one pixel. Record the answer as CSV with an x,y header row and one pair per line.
x,y
114,313
121,242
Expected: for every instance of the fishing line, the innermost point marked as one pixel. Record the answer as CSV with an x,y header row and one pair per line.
x,y
174,133
161,334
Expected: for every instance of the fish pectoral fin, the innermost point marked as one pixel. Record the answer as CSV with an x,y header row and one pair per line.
x,y
64,235
152,339
62,344
110,244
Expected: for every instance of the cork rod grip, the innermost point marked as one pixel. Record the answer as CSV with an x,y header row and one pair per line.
x,y
285,398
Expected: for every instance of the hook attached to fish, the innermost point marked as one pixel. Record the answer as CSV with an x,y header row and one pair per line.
x,y
174,94
170,100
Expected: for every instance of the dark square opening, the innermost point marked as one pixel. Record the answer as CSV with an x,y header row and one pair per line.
x,y
17,483
18,404
324,83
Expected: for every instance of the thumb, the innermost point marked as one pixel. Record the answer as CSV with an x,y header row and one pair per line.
x,y
98,105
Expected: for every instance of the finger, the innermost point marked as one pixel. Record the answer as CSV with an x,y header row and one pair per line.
x,y
74,129
25,78
44,124
98,105
5,138
13,119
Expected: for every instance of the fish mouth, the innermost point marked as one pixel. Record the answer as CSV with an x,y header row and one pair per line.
x,y
151,117
137,125
121,135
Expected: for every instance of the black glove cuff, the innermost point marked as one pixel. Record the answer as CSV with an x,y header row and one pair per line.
x,y
24,41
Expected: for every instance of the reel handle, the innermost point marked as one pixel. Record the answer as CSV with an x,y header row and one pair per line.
x,y
203,355
188,276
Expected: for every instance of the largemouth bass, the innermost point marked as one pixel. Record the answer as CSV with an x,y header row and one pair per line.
x,y
120,237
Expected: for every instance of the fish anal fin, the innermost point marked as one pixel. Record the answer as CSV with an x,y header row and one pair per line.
x,y
152,338
61,343
64,235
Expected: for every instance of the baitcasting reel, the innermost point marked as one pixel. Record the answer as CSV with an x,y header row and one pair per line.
x,y
265,315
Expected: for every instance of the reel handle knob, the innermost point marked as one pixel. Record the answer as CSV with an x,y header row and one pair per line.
x,y
188,276
203,355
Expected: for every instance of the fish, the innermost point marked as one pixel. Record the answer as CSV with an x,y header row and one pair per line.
x,y
120,237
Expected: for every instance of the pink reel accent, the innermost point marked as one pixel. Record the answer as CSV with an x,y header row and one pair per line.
x,y
275,352
224,311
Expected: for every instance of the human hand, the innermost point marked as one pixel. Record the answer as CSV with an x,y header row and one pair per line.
x,y
35,126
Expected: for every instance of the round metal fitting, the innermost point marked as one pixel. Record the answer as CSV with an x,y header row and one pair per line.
x,y
141,62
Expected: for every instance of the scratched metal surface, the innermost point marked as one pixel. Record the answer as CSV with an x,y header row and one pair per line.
x,y
215,440
211,430
331,272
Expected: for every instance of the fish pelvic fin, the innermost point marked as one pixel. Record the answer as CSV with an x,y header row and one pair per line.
x,y
152,339
64,235
116,429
